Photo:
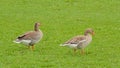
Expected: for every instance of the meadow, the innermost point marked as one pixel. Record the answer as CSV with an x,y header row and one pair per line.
x,y
60,20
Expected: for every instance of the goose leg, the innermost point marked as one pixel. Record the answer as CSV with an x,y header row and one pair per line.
x,y
75,51
32,47
82,51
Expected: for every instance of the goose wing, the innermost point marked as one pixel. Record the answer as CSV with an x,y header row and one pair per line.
x,y
76,40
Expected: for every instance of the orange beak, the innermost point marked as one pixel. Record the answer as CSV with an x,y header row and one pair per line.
x,y
40,24
93,33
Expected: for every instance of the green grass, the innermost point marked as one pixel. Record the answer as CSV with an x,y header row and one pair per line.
x,y
61,20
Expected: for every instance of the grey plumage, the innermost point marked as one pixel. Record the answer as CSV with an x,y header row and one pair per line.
x,y
31,37
80,41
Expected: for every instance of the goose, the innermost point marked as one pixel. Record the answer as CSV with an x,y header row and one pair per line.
x,y
80,41
30,38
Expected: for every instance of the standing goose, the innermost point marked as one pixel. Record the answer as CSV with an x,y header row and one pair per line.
x,y
31,37
80,41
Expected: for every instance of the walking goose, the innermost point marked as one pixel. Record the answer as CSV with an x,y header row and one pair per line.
x,y
31,37
80,41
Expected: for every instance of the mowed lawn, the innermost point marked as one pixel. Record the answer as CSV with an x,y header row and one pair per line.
x,y
60,20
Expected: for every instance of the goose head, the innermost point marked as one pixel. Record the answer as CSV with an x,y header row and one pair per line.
x,y
36,27
89,31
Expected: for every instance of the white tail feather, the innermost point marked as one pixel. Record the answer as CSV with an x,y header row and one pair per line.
x,y
64,44
16,41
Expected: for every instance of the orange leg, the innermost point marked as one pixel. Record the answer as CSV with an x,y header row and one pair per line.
x,y
82,51
75,51
32,47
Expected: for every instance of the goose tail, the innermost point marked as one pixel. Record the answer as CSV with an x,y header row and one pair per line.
x,y
17,41
63,44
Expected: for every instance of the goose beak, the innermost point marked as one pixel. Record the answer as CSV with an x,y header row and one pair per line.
x,y
93,33
40,24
